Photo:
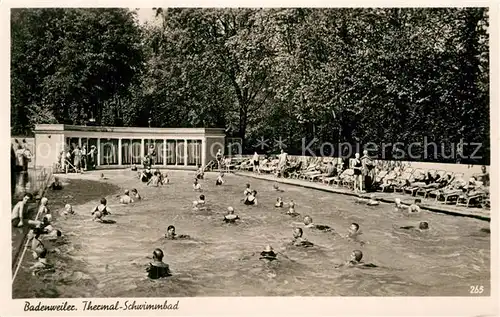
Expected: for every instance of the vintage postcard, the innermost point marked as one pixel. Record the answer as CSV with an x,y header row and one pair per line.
x,y
199,159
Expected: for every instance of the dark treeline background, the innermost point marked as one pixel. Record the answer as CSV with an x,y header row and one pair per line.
x,y
337,75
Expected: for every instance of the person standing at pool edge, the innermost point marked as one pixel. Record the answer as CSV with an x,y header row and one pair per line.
x,y
357,166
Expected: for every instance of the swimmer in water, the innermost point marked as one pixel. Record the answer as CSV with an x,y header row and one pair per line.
x,y
126,199
291,209
200,173
41,265
146,175
135,194
134,168
251,199
34,236
356,257
43,209
298,240
277,188
155,180
308,222
230,217
56,184
279,203
220,179
248,190
268,254
198,204
102,176
158,269
353,231
68,210
422,226
415,207
398,205
100,211
171,235
196,185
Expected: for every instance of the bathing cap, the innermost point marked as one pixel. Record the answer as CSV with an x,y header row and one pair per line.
x,y
230,209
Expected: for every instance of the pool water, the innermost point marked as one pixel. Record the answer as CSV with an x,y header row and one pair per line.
x,y
109,260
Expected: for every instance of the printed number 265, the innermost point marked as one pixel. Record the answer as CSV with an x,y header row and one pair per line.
x,y
476,289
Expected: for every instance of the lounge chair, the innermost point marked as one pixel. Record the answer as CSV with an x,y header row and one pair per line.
x,y
477,195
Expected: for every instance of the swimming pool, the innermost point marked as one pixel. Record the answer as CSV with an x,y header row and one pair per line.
x,y
108,260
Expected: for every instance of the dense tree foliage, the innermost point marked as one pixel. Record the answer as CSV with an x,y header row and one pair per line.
x,y
331,75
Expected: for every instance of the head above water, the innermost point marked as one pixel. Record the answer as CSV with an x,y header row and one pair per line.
x,y
248,185
47,218
423,225
134,191
230,210
297,232
44,201
354,227
356,255
127,192
104,201
171,229
202,197
268,248
365,153
307,220
158,254
397,201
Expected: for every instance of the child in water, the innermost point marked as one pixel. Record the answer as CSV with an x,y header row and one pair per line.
x,y
42,265
100,211
126,199
423,225
230,217
279,203
251,199
197,204
308,222
415,207
298,240
398,205
158,269
200,174
43,209
268,254
68,210
291,209
196,185
34,236
171,235
247,191
155,180
56,184
353,231
370,202
135,194
220,179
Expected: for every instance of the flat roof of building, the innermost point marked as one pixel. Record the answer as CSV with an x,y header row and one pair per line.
x,y
54,128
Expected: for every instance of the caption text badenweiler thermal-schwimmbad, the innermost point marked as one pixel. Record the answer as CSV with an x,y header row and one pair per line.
x,y
87,305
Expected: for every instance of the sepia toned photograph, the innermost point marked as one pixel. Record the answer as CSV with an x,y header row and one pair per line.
x,y
215,152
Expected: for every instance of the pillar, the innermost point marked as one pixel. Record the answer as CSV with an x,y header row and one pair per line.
x,y
204,152
120,151
164,152
98,152
142,149
185,152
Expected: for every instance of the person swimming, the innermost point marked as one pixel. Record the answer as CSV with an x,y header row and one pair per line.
x,y
308,222
277,188
247,191
200,173
171,235
230,217
100,211
220,179
268,254
126,199
41,265
291,209
34,236
133,168
298,239
158,269
279,203
356,257
398,206
415,207
251,199
146,175
135,194
353,231
155,180
196,185
68,210
423,225
56,184
43,209
197,204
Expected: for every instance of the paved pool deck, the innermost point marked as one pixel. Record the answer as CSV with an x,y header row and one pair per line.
x,y
386,197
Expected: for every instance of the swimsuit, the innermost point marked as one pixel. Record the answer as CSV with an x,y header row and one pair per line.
x,y
249,202
357,164
218,182
158,270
